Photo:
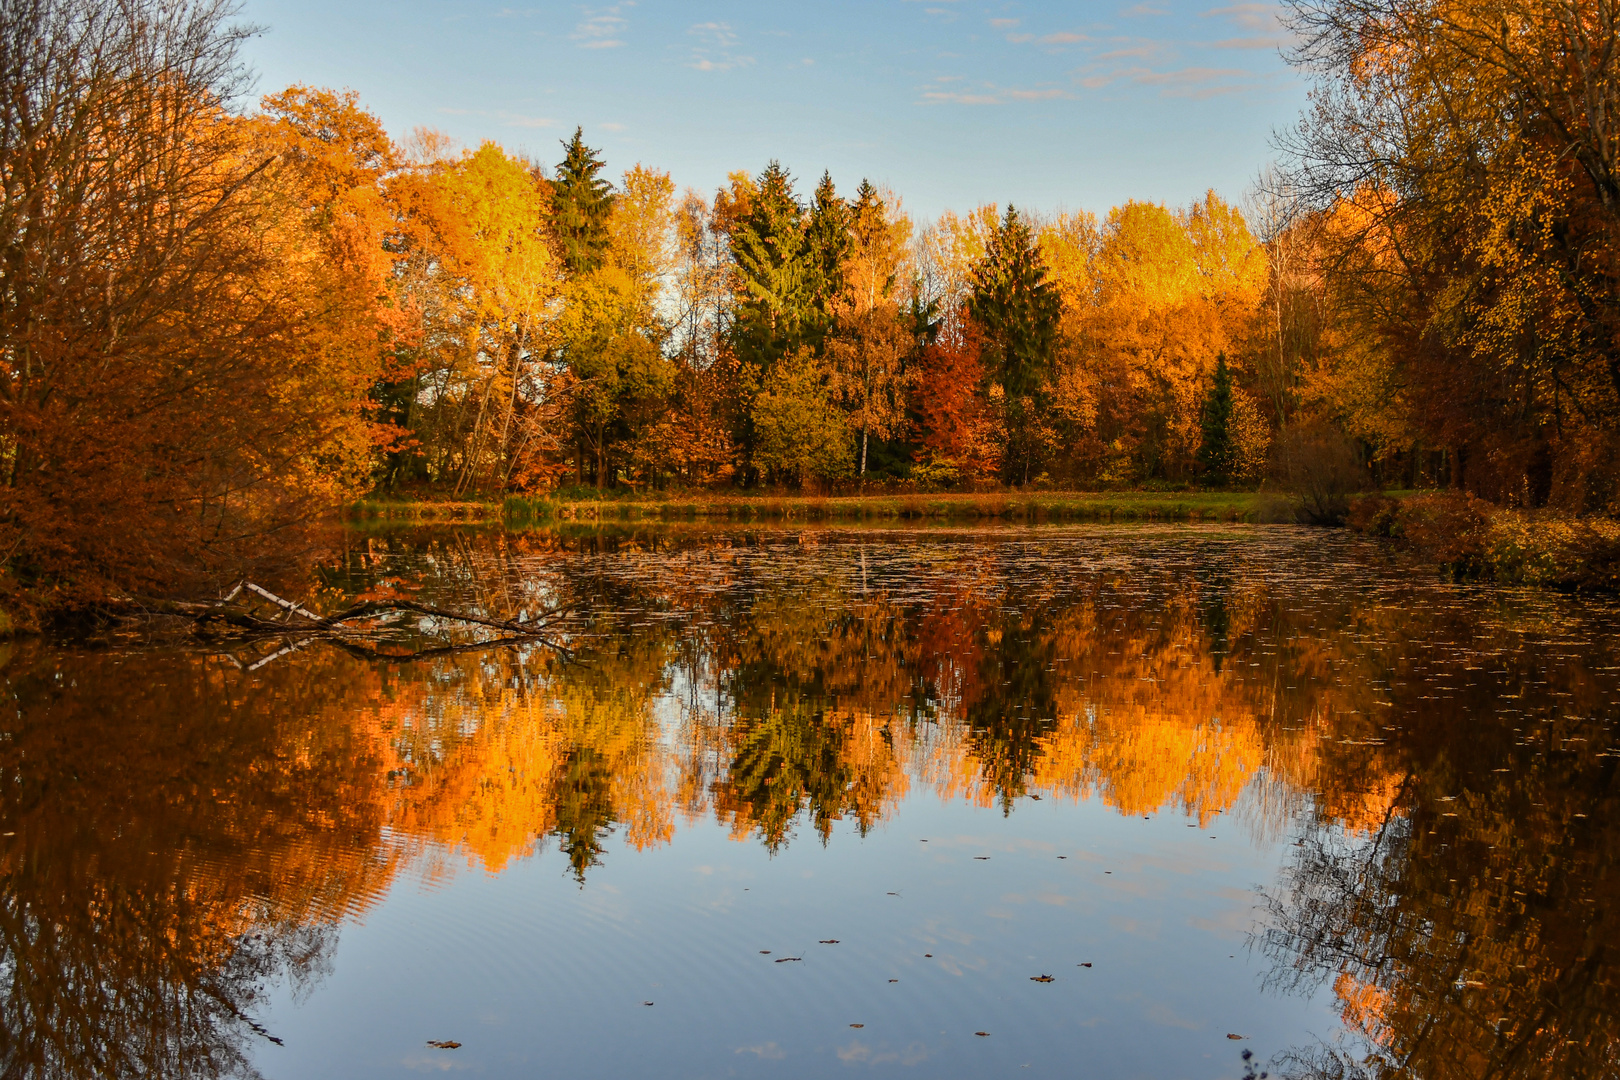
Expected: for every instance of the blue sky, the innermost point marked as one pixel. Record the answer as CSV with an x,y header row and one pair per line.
x,y
950,102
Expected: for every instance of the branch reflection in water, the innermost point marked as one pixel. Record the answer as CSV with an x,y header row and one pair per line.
x,y
183,833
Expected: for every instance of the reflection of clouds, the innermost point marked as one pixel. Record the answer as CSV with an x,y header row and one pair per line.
x,y
859,1053
764,1051
1166,1017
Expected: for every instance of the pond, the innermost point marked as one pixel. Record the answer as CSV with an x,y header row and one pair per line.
x,y
1197,801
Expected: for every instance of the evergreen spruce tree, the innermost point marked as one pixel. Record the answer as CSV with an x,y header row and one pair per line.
x,y
827,240
772,256
581,203
1017,311
1215,453
1015,307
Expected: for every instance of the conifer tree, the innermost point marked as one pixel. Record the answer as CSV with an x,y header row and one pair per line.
x,y
827,240
582,202
772,257
1215,456
1016,311
1015,307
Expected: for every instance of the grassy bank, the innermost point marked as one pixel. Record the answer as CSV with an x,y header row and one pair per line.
x,y
423,510
1470,539
1000,506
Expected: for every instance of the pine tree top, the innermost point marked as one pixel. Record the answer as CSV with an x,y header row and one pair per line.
x,y
582,202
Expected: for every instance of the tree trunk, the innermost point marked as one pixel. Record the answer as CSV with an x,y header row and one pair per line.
x,y
864,435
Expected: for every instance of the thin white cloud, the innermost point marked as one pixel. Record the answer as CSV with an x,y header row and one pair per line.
x,y
1138,11
1274,41
987,94
1195,82
1005,24
1058,39
601,27
1250,16
717,48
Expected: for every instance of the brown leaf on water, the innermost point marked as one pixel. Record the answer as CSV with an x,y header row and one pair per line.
x,y
1229,1035
785,959
1085,965
764,952
445,1044
646,1003
1042,978
982,1034
981,858
894,980
857,1025
828,941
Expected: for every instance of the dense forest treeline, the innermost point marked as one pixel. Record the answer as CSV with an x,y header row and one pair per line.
x,y
216,320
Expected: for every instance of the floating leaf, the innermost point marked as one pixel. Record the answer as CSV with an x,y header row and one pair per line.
x,y
982,1034
1042,978
445,1044
1085,965
1229,1035
857,1025
829,941
785,959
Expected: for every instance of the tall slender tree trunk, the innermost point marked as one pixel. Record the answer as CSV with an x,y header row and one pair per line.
x,y
865,434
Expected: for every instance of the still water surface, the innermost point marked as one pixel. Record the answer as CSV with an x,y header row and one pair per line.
x,y
802,803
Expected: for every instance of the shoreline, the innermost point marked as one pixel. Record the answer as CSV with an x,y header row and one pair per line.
x,y
994,506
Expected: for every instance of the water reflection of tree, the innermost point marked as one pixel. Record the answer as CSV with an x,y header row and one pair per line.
x,y
217,833
178,846
1470,933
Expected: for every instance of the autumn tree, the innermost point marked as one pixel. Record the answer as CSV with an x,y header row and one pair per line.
x,y
872,335
611,334
182,371
477,264
1473,148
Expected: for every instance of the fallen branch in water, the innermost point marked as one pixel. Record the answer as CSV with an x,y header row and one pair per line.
x,y
298,621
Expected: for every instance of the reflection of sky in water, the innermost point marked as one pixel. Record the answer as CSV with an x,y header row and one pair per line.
x,y
533,974
1017,750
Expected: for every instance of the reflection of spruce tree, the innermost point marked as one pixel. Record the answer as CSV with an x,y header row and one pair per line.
x,y
1017,709
786,761
583,794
